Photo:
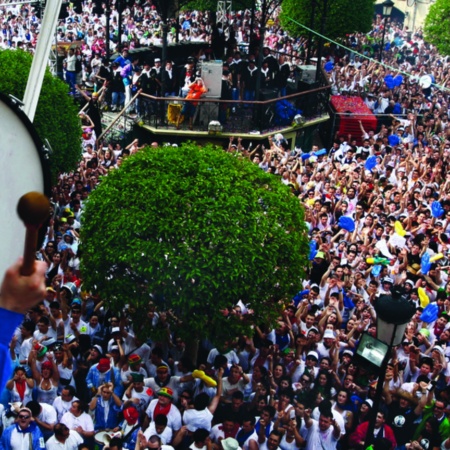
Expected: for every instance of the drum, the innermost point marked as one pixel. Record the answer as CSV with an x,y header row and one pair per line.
x,y
425,81
103,437
24,168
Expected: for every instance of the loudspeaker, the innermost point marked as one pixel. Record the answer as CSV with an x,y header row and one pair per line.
x,y
307,73
211,73
267,94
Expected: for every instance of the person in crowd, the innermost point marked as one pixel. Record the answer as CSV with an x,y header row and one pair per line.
x,y
77,419
359,436
64,438
106,407
24,431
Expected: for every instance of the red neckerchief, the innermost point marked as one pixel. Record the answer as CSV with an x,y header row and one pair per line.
x,y
162,409
20,387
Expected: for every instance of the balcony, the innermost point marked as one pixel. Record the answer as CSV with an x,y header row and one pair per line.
x,y
254,120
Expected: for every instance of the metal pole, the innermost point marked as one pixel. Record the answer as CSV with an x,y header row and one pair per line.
x,y
414,17
252,17
378,393
165,28
377,400
257,114
40,59
108,16
380,57
119,26
310,35
322,31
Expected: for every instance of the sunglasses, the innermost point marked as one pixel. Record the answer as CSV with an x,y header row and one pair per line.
x,y
21,416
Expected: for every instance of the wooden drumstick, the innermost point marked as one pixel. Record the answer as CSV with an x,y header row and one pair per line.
x,y
33,209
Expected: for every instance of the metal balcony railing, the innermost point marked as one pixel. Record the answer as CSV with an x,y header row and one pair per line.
x,y
225,116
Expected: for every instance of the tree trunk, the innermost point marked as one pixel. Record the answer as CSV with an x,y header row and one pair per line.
x,y
191,352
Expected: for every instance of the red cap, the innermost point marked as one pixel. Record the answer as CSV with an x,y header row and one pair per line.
x,y
103,365
131,415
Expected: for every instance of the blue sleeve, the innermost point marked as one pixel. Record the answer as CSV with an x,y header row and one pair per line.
x,y
89,378
6,439
118,386
9,321
38,439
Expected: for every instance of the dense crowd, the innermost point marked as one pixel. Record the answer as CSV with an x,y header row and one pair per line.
x,y
377,208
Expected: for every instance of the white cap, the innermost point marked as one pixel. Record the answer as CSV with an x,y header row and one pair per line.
x,y
313,354
329,334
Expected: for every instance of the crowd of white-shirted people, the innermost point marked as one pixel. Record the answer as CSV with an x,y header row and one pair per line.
x,y
377,208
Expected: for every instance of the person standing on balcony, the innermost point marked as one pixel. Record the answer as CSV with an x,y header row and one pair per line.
x,y
196,90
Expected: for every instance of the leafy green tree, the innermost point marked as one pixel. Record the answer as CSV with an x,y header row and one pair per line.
x,y
437,26
343,16
56,116
197,230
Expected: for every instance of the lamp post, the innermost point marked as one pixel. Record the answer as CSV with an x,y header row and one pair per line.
x,y
387,11
393,314
108,24
322,31
310,34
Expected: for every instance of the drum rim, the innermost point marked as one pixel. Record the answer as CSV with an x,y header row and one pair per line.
x,y
45,166
39,147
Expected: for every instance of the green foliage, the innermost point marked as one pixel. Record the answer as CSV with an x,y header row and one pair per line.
x,y
56,116
437,26
344,16
199,229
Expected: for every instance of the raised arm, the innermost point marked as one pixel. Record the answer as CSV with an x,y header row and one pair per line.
x,y
216,399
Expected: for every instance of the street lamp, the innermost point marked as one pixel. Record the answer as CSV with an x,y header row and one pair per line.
x,y
322,32
387,11
108,26
393,314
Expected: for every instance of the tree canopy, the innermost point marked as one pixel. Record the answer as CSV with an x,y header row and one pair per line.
x,y
56,116
195,230
343,17
437,26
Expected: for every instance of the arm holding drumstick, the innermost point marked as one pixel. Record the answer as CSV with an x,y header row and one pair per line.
x,y
23,284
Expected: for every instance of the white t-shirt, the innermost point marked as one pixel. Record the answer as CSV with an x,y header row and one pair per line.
x,y
165,436
229,389
217,433
84,421
319,440
197,419
252,437
62,407
231,356
173,417
71,443
51,333
336,415
143,397
48,414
